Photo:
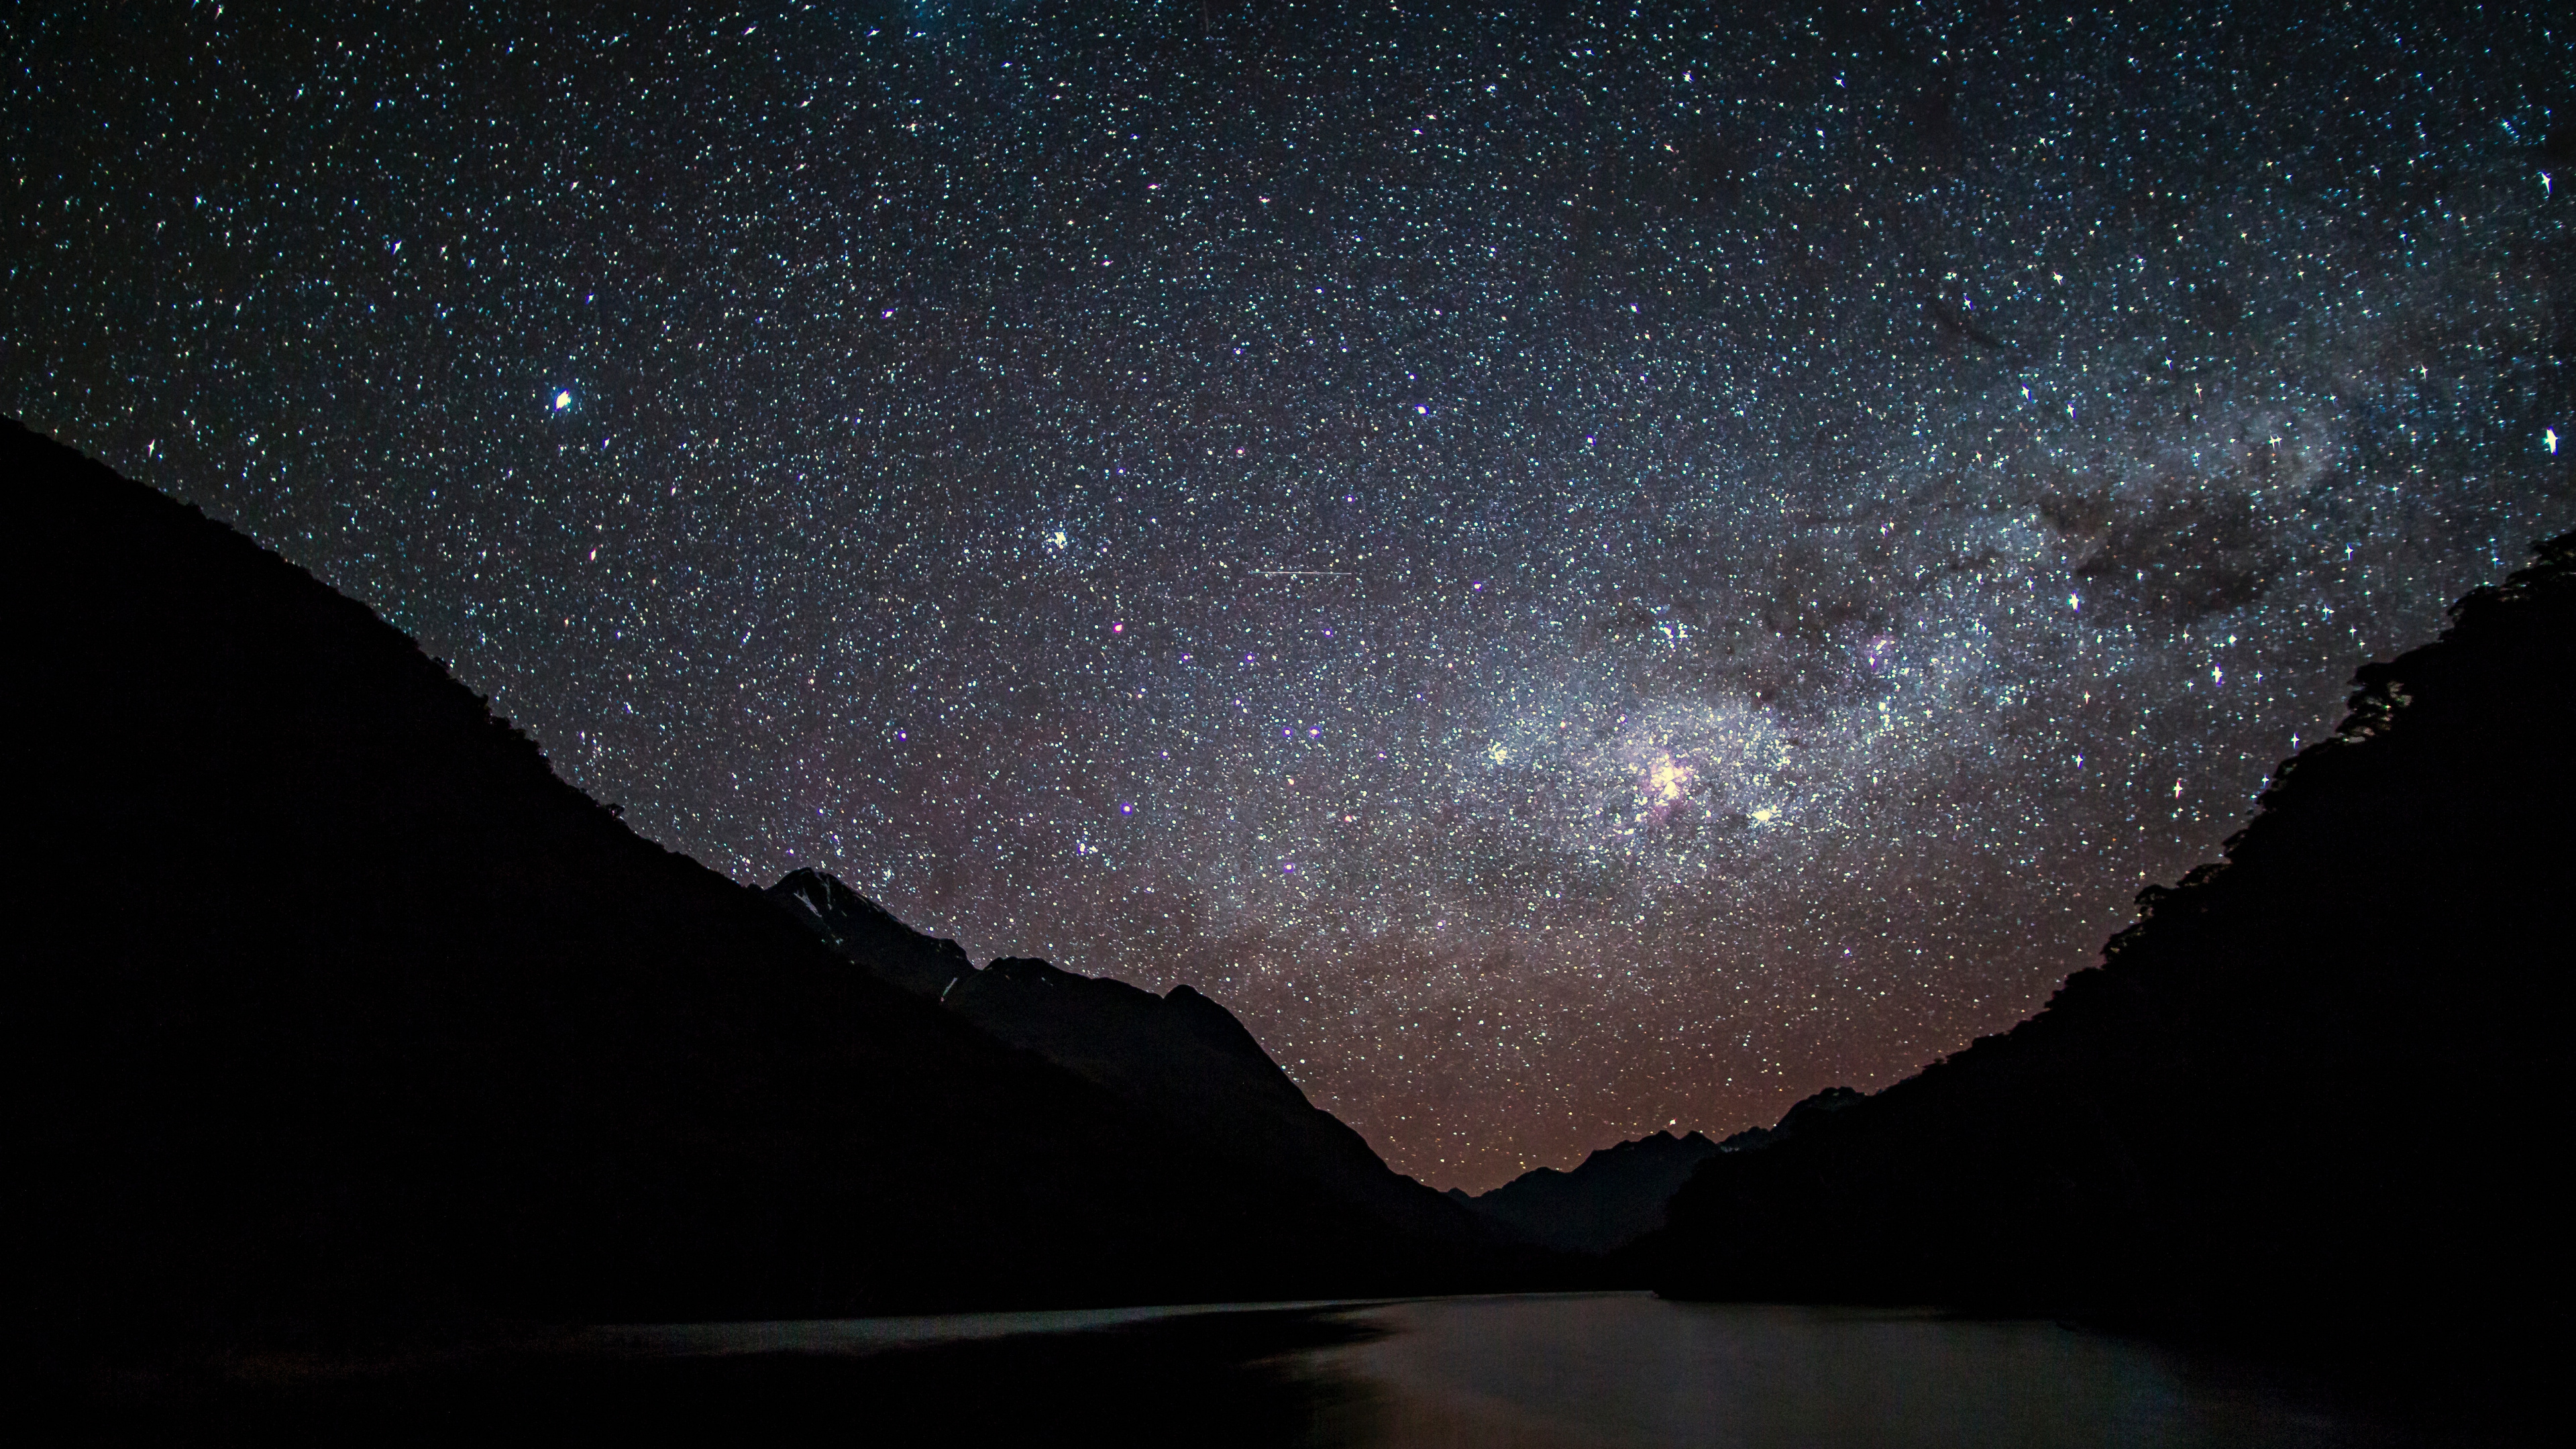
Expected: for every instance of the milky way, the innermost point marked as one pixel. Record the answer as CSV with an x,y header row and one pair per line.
x,y
1581,574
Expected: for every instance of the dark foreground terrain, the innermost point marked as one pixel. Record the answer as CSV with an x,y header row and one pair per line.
x,y
345,1029
2311,1103
335,1010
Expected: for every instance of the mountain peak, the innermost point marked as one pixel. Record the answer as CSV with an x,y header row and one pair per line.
x,y
1654,1144
1180,1056
423,1034
1616,1195
868,933
1216,1026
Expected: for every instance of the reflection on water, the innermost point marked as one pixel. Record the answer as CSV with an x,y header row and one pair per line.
x,y
1624,1371
852,1336
1538,1372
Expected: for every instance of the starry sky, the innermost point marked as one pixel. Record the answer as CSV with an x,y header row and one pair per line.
x,y
1584,568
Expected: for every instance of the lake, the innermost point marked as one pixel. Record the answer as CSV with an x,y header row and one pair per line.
x,y
1545,1371
1634,1370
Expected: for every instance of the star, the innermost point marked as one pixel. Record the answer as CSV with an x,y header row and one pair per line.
x,y
1562,544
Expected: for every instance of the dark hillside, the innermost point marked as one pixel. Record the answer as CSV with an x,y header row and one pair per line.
x,y
1612,1197
1180,1058
330,1002
2307,1098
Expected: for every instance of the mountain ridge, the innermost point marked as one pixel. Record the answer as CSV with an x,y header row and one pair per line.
x,y
1181,1056
2281,1109
1611,1198
1617,1194
406,1028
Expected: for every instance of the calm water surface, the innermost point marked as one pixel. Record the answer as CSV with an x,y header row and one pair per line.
x,y
1535,1372
1617,1370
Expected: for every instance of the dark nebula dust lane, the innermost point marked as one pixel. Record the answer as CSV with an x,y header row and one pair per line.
x,y
1580,573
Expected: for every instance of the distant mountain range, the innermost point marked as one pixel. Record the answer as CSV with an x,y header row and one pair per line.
x,y
2310,1097
1612,1197
1618,1194
333,1003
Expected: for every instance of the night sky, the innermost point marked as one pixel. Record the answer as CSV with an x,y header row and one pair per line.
x,y
1581,573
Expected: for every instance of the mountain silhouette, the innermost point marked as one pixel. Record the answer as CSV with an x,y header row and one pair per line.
x,y
1619,1193
2310,1098
1613,1197
1180,1057
335,1005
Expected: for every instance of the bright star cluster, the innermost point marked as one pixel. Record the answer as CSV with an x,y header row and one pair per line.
x,y
1581,570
